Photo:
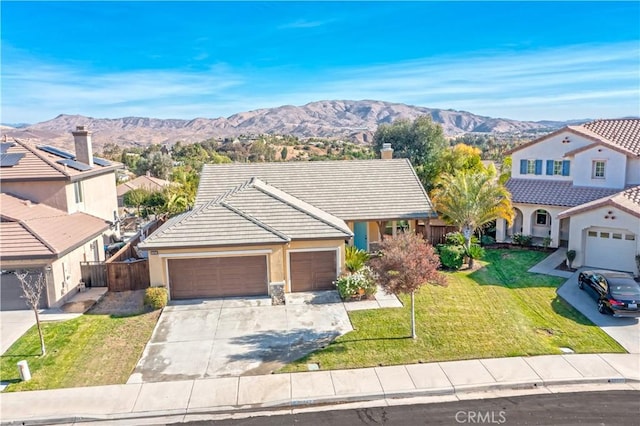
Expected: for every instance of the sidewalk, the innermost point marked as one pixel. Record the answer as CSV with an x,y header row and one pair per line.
x,y
548,265
136,402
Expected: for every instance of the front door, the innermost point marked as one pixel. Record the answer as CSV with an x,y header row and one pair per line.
x,y
360,235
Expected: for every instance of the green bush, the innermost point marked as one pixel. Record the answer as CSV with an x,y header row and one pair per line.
x,y
487,240
362,283
522,240
355,258
476,252
156,297
451,257
454,239
571,256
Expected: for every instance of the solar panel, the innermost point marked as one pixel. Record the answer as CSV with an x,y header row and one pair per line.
x,y
10,160
101,162
57,151
75,165
4,146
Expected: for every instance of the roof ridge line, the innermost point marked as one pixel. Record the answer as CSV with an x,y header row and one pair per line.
x,y
254,220
41,157
264,191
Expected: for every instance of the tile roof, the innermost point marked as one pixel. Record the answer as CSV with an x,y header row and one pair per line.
x,y
350,190
35,230
40,165
622,134
149,183
251,213
553,193
627,200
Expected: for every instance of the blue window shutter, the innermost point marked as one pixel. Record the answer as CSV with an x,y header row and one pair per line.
x,y
566,167
549,167
538,167
523,167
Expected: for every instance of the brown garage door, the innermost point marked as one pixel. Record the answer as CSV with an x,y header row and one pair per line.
x,y
218,277
313,270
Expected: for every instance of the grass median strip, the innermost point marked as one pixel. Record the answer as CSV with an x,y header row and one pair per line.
x,y
90,350
499,310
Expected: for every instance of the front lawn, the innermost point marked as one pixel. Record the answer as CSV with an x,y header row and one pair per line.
x,y
499,310
90,350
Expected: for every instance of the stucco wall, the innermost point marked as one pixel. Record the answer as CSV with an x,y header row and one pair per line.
x,y
595,218
51,193
548,149
633,171
99,196
615,168
277,257
65,272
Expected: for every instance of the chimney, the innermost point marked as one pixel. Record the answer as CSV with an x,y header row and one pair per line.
x,y
84,151
386,153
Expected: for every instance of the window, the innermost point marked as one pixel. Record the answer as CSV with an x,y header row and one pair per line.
x,y
77,189
531,167
541,217
629,237
604,235
598,169
617,236
592,233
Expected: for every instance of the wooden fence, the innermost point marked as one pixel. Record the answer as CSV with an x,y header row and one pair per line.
x,y
94,274
124,270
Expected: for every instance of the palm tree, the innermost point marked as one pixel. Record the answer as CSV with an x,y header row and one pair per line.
x,y
470,200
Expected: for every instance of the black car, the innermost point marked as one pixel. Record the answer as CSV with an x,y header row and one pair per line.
x,y
616,292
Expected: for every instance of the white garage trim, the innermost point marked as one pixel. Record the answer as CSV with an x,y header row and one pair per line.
x,y
338,261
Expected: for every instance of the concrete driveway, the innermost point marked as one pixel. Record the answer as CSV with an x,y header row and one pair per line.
x,y
238,336
13,324
625,331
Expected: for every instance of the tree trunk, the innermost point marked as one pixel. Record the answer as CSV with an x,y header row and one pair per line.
x,y
467,232
42,348
413,316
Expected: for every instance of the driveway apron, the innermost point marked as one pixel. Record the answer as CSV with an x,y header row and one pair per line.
x,y
236,336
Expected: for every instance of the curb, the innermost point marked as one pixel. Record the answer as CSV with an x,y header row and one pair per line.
x,y
276,406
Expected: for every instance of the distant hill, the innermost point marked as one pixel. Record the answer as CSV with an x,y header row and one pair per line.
x,y
350,120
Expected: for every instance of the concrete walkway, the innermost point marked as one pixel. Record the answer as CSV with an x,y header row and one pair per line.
x,y
136,402
548,265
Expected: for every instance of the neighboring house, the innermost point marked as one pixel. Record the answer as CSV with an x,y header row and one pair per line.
x,y
286,222
57,210
579,187
146,182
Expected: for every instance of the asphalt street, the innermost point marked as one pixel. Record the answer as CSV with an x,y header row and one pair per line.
x,y
618,408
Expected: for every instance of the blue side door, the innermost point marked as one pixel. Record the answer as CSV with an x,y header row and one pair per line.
x,y
360,235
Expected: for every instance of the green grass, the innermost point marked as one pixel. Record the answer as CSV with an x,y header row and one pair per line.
x,y
90,350
499,310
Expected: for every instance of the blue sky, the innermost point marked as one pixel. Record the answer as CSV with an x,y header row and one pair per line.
x,y
528,61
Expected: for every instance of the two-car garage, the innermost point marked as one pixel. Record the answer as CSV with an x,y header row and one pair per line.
x,y
248,275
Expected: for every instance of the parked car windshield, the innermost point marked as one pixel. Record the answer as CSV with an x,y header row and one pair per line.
x,y
624,290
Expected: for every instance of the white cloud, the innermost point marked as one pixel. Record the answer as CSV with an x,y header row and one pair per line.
x,y
571,82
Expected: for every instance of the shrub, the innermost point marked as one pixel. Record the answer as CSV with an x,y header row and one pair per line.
x,y
361,282
451,257
476,252
454,239
156,297
522,240
546,242
571,256
355,259
488,240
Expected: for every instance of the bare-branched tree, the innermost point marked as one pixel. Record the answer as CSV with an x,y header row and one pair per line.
x,y
32,286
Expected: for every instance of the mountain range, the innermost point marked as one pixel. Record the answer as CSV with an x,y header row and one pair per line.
x,y
339,119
